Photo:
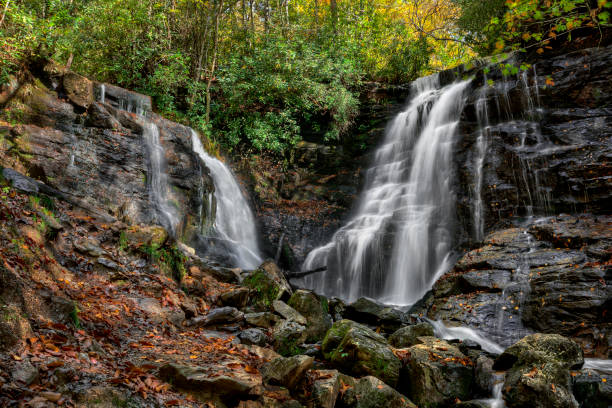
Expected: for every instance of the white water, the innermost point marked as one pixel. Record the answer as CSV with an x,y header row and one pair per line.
x,y
399,241
157,179
482,143
234,221
465,333
601,366
102,93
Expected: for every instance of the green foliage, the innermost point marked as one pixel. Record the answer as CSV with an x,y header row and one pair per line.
x,y
290,348
74,316
475,22
123,241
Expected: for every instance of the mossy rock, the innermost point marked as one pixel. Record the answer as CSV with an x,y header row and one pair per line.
x,y
358,350
150,235
316,311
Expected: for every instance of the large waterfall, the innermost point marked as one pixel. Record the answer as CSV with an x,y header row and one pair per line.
x,y
400,239
234,221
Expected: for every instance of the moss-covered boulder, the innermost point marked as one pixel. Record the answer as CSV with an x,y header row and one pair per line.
x,y
78,89
538,371
408,336
358,350
138,236
368,311
267,284
288,337
436,374
316,311
370,392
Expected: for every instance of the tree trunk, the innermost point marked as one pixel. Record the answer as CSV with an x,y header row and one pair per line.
x,y
333,5
4,12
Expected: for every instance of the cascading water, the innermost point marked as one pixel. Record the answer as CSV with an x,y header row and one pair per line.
x,y
399,241
234,221
157,180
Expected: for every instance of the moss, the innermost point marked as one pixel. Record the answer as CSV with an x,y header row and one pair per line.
x,y
264,289
289,348
169,259
123,241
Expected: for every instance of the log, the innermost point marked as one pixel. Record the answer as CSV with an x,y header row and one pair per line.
x,y
294,275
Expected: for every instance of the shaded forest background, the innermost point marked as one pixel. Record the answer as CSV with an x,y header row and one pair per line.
x,y
253,74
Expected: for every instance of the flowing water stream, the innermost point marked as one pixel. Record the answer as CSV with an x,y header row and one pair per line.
x,y
400,239
234,220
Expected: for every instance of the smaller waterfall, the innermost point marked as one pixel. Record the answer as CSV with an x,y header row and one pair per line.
x,y
234,221
157,179
465,333
482,143
102,93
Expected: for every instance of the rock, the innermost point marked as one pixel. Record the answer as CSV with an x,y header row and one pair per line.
x,y
253,336
287,372
232,386
14,327
370,392
151,235
436,374
288,312
79,89
483,375
358,350
89,246
219,315
472,404
25,373
315,310
264,353
407,336
287,337
238,297
263,319
325,388
538,371
592,389
337,307
108,263
102,397
158,314
541,348
368,311
267,284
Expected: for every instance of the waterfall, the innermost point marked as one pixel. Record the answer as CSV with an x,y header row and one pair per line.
x,y
157,179
234,221
400,239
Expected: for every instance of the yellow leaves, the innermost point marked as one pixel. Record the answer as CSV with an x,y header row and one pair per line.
x,y
550,81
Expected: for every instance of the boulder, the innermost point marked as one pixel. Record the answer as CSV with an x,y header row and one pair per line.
x,y
288,312
370,392
592,389
315,310
89,246
238,297
538,371
407,336
368,311
287,372
79,89
223,315
24,372
227,386
262,319
150,235
358,350
267,284
288,336
436,374
253,336
325,388
483,375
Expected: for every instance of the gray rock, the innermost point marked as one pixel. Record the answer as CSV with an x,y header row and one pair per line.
x,y
367,311
538,371
108,263
89,246
287,372
223,315
407,336
24,372
590,389
484,375
253,336
235,385
287,337
288,312
436,374
315,310
370,392
262,319
238,297
325,388
358,350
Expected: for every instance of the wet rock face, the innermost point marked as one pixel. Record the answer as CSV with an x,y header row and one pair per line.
x,y
548,145
548,276
97,158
